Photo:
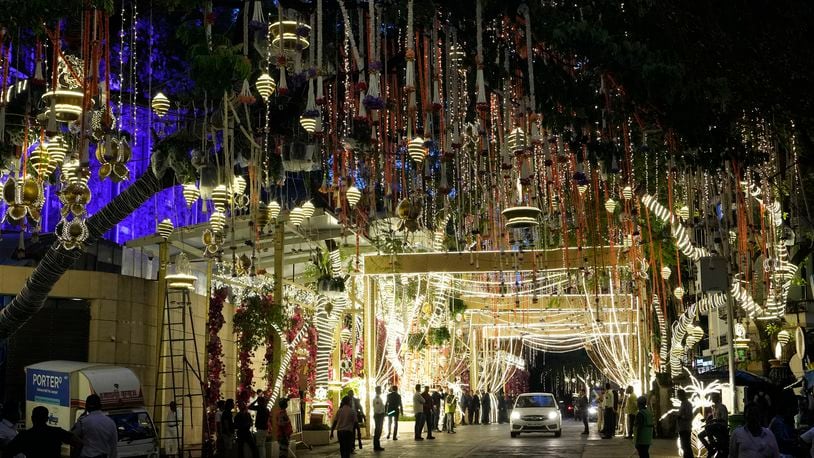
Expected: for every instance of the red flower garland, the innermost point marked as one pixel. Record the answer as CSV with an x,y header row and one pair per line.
x,y
214,357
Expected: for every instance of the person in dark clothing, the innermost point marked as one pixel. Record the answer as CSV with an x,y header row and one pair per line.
x,y
243,427
41,441
464,405
486,408
227,427
360,417
428,411
502,410
474,409
394,408
261,423
582,410
436,409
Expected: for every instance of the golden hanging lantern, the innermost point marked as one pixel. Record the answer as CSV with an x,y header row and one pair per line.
x,y
160,104
290,35
417,150
582,188
519,217
296,217
57,149
220,196
627,192
238,185
666,272
354,195
217,221
191,193
783,337
678,293
308,123
697,333
165,228
265,85
262,215
40,162
610,205
274,210
684,212
307,210
67,105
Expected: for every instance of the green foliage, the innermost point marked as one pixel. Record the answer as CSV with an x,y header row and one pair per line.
x,y
173,152
456,305
256,317
216,70
416,341
438,336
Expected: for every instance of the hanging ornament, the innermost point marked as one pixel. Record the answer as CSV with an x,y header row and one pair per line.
x,y
217,221
610,205
165,228
627,192
417,150
296,217
684,212
353,194
57,149
274,210
307,210
265,86
308,123
697,333
238,185
245,97
282,89
113,154
74,233
678,293
262,215
191,193
220,196
666,272
160,105
517,140
582,188
39,162
212,242
783,337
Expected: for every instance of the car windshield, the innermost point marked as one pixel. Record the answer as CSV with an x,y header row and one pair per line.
x,y
133,426
537,400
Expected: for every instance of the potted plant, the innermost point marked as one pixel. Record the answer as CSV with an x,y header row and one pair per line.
x,y
316,434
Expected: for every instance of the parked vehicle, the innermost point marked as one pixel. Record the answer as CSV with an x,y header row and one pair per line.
x,y
536,412
62,386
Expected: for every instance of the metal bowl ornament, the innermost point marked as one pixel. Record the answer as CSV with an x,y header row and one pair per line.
x,y
520,217
290,35
75,196
165,228
265,85
67,105
160,105
417,150
24,199
113,154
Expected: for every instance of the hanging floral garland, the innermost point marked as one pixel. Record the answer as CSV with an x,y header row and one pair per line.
x,y
291,380
214,358
254,321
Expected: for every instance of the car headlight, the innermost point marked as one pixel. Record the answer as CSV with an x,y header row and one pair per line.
x,y
515,415
553,415
591,410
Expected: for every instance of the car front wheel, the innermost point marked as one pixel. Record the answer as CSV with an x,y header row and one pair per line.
x,y
514,434
558,433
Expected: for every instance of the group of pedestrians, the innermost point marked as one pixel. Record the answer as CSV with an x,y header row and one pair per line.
x,y
244,431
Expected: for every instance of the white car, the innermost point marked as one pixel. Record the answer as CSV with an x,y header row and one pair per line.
x,y
536,412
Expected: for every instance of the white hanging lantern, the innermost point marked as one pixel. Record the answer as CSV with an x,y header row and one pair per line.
x,y
191,193
517,140
627,192
308,123
666,272
684,212
165,228
296,217
582,188
610,205
217,221
274,210
265,85
219,197
783,337
678,293
697,333
160,105
307,210
417,150
57,149
354,195
238,185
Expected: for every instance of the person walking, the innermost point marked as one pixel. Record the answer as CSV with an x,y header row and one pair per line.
x,y
418,411
284,427
41,440
684,424
715,436
502,410
360,417
227,427
437,401
464,405
345,423
172,431
260,407
428,411
474,409
643,428
486,407
608,413
394,408
449,415
378,419
96,430
243,428
631,409
752,439
582,408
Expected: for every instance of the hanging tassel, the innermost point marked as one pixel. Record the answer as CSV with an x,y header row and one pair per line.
x,y
282,88
443,185
320,96
38,79
436,96
481,87
362,86
257,16
246,96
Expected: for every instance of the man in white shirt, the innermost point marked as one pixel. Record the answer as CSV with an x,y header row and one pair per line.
x,y
378,419
98,432
418,411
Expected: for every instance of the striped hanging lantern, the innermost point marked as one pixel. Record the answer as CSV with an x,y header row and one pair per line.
x,y
160,105
165,228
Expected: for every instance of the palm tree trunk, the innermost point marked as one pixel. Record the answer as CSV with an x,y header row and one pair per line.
x,y
57,260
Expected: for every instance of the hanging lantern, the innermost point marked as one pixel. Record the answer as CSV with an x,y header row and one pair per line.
x,y
697,333
308,123
519,217
582,188
684,212
238,185
40,162
610,205
783,337
191,193
417,150
217,221
459,332
459,317
627,192
678,293
307,210
353,194
165,228
57,149
265,85
274,210
517,140
219,197
296,217
160,105
666,272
